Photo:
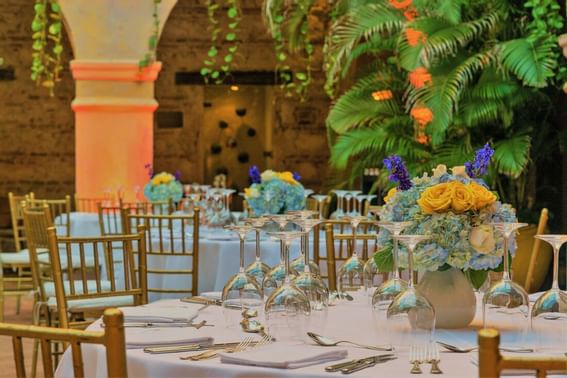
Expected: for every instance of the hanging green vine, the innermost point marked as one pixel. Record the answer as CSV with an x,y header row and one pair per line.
x,y
47,48
211,69
150,56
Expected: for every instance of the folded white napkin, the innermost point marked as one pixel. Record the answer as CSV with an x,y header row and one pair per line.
x,y
137,338
213,295
154,314
284,356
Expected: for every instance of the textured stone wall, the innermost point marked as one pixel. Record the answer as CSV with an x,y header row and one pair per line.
x,y
37,131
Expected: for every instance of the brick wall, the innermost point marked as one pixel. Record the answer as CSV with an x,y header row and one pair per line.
x,y
37,131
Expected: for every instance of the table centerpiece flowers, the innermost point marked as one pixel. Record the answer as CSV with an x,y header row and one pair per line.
x,y
455,210
163,186
273,192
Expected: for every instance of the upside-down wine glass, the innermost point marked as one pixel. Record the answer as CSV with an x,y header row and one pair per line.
x,y
320,198
388,290
297,264
287,309
339,213
505,305
351,273
276,276
355,202
241,291
549,312
410,317
257,269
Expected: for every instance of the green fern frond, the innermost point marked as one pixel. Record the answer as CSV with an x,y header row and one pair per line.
x,y
512,155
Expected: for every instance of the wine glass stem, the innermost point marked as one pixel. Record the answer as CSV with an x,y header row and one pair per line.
x,y
506,275
353,251
257,245
242,253
410,266
306,253
555,283
286,261
396,272
340,203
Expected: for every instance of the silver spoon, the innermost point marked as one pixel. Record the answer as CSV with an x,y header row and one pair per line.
x,y
325,341
456,349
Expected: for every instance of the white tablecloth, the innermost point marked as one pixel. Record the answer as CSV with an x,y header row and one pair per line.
x,y
346,321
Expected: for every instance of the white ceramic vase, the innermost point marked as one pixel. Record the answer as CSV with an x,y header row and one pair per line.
x,y
452,297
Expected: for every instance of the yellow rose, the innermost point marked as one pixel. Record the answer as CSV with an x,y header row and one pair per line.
x,y
482,239
483,196
436,199
464,198
287,177
391,193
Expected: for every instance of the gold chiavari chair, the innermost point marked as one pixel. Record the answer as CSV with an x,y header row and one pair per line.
x,y
168,238
491,363
18,261
60,210
110,220
123,284
90,204
112,338
331,239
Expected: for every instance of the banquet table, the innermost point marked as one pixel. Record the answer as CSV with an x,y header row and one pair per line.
x,y
345,321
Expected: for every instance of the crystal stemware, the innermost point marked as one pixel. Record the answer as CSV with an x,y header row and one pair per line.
x,y
339,212
257,269
309,281
276,275
298,263
320,198
410,316
287,309
549,312
388,290
505,305
241,291
308,192
351,273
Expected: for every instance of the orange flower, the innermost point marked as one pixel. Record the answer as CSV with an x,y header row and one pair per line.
x,y
400,4
422,139
419,77
414,36
410,14
422,115
382,95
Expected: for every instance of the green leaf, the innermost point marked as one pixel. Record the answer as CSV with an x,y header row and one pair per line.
x,y
233,49
58,49
39,8
55,7
233,25
384,259
511,155
301,76
232,12
228,58
215,74
205,71
533,62
230,36
281,57
55,28
212,52
152,42
476,277
36,25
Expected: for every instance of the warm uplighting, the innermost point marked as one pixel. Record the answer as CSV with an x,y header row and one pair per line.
x,y
414,37
382,95
419,77
422,115
234,88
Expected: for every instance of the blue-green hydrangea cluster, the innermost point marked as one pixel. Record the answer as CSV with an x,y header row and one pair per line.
x,y
277,197
449,232
163,192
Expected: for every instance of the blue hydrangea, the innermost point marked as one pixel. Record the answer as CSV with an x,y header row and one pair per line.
x,y
164,192
277,197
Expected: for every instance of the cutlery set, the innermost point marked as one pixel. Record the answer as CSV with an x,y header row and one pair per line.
x,y
202,323
352,366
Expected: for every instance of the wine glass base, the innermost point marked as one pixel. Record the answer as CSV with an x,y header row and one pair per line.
x,y
387,292
314,289
287,313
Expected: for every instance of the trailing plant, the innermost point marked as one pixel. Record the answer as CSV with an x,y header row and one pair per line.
x,y
150,56
211,68
47,48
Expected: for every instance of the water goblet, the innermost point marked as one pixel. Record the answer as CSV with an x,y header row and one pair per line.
x,y
549,312
287,309
298,263
339,212
308,192
505,305
351,274
257,269
320,198
410,317
388,290
241,291
276,276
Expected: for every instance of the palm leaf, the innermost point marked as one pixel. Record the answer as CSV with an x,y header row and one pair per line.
x,y
511,155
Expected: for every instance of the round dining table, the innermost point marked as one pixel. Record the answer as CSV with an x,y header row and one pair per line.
x,y
345,320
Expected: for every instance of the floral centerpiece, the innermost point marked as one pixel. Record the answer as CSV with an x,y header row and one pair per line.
x,y
455,210
274,192
163,186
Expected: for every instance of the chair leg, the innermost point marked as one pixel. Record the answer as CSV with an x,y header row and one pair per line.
x,y
1,293
35,318
19,287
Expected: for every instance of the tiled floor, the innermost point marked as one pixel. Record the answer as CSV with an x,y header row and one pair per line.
x,y
7,369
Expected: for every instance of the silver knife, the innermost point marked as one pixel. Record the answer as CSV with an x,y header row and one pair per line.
x,y
343,365
187,348
366,364
166,324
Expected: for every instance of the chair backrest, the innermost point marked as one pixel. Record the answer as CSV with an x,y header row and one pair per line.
x,y
60,210
110,219
36,222
345,243
491,363
90,204
170,236
124,276
112,338
17,219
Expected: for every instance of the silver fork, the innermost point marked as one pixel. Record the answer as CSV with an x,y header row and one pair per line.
x,y
433,358
416,357
456,349
214,352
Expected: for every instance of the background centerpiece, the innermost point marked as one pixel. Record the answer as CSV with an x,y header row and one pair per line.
x,y
163,186
274,192
455,210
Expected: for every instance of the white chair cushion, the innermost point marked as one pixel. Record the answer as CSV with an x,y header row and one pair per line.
x,y
89,261
94,303
20,257
49,287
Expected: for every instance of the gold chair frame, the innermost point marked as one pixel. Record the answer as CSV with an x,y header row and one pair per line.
x,y
112,338
59,208
491,362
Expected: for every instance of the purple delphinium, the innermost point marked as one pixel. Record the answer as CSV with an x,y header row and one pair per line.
x,y
255,176
398,172
149,169
296,176
479,167
177,175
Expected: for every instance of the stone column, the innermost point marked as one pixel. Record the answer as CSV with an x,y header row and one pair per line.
x,y
114,101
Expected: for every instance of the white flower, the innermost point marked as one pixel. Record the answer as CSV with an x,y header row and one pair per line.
x,y
459,170
439,171
482,239
268,175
